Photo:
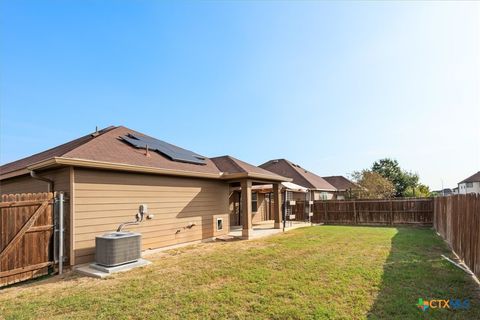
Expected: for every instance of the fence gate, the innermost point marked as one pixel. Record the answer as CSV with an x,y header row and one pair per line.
x,y
26,240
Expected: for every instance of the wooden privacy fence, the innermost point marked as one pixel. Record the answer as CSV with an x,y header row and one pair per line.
x,y
26,226
415,211
299,211
457,220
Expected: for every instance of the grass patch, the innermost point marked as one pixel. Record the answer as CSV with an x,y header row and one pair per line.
x,y
327,272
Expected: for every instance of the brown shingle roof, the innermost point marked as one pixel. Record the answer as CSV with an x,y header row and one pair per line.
x,y
473,178
57,151
340,182
231,165
299,175
108,147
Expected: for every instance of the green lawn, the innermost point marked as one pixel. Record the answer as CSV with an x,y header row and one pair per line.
x,y
325,272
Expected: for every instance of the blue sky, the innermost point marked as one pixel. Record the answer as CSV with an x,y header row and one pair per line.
x,y
331,86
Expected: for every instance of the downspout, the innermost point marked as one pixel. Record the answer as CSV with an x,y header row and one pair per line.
x,y
34,175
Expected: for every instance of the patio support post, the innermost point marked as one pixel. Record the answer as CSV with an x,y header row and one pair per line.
x,y
247,230
277,207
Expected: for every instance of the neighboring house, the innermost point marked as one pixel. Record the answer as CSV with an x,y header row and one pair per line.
x,y
319,188
444,192
108,174
470,185
345,188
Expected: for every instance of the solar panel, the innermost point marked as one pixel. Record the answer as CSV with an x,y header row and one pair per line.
x,y
173,152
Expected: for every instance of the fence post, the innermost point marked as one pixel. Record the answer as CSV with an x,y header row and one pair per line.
x,y
391,212
355,212
326,212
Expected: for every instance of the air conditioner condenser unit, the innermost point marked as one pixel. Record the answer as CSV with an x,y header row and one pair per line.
x,y
117,248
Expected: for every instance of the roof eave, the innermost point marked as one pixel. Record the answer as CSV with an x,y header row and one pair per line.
x,y
13,174
38,165
75,162
119,167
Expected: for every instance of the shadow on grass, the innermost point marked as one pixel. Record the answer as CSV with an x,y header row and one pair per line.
x,y
415,269
70,275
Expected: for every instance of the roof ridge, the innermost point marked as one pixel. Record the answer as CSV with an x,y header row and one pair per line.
x,y
94,135
235,163
291,164
297,169
232,160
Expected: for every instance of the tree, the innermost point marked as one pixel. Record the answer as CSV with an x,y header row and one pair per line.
x,y
420,190
402,180
374,185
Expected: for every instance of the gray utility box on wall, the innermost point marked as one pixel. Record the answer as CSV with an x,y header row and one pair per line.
x,y
116,248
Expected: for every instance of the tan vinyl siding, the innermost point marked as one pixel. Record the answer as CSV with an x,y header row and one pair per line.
x,y
104,199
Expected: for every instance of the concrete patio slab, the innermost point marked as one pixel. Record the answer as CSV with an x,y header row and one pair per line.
x,y
266,229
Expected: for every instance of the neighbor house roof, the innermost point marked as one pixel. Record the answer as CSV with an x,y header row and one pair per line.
x,y
298,174
340,182
106,149
473,178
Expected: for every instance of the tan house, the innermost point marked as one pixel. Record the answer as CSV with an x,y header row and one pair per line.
x,y
108,174
346,189
319,188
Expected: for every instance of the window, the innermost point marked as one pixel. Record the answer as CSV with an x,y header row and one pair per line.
x,y
219,224
469,184
254,202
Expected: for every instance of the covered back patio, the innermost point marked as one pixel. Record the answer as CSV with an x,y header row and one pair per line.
x,y
258,209
263,211
246,183
244,206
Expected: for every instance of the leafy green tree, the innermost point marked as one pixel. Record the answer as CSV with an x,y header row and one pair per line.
x,y
373,185
420,190
402,180
390,170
